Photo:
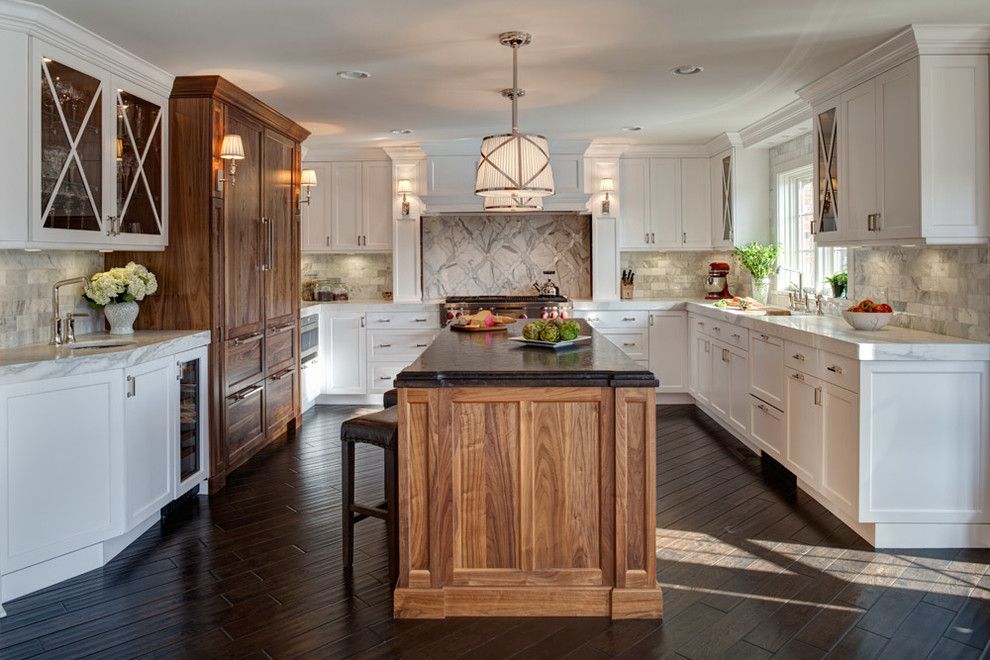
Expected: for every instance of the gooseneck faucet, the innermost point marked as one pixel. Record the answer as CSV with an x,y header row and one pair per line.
x,y
63,330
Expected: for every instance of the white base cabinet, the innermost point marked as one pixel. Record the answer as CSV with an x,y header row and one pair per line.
x,y
86,463
896,449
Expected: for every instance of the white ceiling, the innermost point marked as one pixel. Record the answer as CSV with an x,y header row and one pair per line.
x,y
437,67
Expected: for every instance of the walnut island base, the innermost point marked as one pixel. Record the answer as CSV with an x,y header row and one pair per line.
x,y
527,482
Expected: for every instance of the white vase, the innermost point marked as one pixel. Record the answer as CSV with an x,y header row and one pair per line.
x,y
761,289
121,317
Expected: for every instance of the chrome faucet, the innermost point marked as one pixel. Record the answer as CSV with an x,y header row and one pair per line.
x,y
799,299
64,329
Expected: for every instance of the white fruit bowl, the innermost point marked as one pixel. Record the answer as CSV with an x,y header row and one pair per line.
x,y
867,320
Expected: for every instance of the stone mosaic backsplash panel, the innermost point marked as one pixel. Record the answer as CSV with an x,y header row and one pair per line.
x,y
363,276
936,289
680,274
26,280
505,254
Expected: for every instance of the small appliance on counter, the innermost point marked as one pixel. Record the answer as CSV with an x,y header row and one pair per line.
x,y
717,284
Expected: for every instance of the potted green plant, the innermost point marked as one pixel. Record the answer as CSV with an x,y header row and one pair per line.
x,y
839,282
761,261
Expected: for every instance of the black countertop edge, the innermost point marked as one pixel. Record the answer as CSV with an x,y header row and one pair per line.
x,y
526,380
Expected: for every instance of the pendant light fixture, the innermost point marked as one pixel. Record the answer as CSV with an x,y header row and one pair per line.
x,y
514,165
513,204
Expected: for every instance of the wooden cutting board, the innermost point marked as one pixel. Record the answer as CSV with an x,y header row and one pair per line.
x,y
471,328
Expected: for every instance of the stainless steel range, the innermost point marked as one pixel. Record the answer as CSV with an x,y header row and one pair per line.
x,y
519,307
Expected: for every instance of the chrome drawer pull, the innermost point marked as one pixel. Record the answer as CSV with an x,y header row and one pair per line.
x,y
736,336
834,369
240,341
282,328
701,324
628,343
798,356
628,318
421,345
282,374
384,378
384,345
420,320
716,329
818,396
797,376
763,407
383,320
765,337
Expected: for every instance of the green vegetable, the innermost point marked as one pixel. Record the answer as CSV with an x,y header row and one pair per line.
x,y
759,259
721,304
532,330
550,333
569,331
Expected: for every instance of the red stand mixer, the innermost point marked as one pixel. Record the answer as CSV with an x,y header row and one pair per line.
x,y
717,284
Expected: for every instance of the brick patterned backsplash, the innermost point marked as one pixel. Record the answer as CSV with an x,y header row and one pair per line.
x,y
936,289
681,274
363,276
26,280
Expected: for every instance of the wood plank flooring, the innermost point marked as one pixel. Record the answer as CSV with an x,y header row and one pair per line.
x,y
747,572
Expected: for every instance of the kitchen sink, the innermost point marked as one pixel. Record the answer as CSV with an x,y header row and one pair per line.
x,y
94,345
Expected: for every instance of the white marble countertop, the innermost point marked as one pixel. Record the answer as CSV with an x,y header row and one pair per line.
x,y
40,361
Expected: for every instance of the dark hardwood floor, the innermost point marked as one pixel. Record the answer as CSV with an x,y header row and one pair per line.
x,y
747,571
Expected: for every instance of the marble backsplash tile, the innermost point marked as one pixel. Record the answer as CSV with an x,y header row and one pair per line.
x,y
363,276
26,280
680,274
505,254
936,289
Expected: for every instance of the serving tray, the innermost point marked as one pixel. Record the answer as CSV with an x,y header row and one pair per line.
x,y
552,344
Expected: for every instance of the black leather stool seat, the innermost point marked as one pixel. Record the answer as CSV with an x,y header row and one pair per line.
x,y
380,429
390,398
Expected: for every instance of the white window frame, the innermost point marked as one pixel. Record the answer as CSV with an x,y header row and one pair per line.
x,y
787,226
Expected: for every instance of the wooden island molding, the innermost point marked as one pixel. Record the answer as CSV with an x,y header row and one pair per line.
x,y
527,482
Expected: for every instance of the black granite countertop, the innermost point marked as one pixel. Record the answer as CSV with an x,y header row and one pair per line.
x,y
489,359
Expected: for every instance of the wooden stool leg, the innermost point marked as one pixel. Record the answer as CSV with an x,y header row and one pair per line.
x,y
347,501
392,520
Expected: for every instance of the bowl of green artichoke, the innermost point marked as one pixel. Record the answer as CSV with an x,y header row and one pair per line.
x,y
552,331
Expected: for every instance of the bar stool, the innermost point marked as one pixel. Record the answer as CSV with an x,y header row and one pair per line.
x,y
380,429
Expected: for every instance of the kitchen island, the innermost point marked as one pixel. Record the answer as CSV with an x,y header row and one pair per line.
x,y
527,481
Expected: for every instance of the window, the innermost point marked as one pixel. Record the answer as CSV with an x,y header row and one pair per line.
x,y
795,213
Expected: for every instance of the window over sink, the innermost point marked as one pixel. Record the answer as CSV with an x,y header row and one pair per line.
x,y
795,213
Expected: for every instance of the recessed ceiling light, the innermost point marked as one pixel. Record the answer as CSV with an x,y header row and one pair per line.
x,y
401,131
353,75
632,129
687,69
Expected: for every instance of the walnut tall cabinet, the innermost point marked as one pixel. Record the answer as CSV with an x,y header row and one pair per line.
x,y
232,263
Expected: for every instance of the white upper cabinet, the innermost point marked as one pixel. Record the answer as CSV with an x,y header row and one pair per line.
x,y
85,135
901,139
740,196
666,203
350,209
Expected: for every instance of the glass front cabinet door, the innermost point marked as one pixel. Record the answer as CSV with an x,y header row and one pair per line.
x,y
826,140
99,162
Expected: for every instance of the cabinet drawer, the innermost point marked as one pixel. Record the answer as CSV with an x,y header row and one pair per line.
x,y
244,421
767,424
614,319
280,397
635,344
280,345
732,335
380,376
391,345
801,357
243,361
840,370
403,320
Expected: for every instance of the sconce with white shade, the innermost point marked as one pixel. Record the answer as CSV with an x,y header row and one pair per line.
x,y
232,150
404,186
607,186
308,181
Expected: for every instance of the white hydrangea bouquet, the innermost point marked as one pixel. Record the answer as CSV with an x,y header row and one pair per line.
x,y
117,291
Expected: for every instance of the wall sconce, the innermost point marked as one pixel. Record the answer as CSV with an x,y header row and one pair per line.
x,y
308,181
404,186
607,186
232,149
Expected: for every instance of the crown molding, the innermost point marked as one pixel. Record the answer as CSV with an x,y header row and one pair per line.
x,y
405,153
606,149
794,115
912,41
665,151
44,24
325,155
722,142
